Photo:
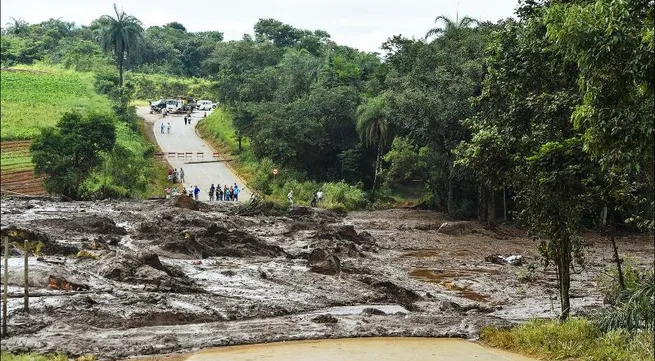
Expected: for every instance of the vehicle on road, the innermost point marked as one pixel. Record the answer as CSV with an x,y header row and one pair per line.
x,y
181,104
205,105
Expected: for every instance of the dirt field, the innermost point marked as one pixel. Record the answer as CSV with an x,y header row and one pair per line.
x,y
166,276
19,177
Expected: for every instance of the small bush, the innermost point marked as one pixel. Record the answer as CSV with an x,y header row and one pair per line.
x,y
608,280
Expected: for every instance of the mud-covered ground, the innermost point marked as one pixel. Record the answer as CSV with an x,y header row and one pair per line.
x,y
166,276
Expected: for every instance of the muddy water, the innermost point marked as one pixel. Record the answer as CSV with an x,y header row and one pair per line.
x,y
361,349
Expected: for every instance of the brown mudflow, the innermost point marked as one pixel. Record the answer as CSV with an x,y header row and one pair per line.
x,y
165,276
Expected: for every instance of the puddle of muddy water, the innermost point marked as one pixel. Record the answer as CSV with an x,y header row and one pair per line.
x,y
355,310
443,278
361,349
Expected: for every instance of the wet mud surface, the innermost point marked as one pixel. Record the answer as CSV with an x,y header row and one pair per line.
x,y
122,279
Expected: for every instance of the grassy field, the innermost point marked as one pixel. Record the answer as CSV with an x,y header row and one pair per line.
x,y
575,339
34,98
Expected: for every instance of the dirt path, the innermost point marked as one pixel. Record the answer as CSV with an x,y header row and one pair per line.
x,y
185,149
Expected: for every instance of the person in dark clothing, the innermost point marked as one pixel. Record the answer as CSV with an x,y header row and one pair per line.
x,y
314,199
211,192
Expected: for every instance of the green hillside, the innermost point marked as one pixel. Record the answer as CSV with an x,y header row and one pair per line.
x,y
33,98
36,97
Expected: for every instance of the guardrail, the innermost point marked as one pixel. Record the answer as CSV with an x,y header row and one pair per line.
x,y
189,156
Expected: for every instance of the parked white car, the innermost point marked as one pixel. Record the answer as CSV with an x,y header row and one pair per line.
x,y
204,105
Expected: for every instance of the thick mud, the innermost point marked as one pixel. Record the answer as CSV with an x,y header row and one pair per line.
x,y
122,279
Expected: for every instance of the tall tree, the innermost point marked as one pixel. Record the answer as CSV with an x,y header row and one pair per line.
x,y
119,36
68,153
450,26
373,128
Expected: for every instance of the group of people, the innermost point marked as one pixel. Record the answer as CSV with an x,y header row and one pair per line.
x,y
215,193
167,126
187,119
225,193
174,176
316,197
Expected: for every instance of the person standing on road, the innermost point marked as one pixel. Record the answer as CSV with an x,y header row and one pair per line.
x,y
185,120
211,192
169,127
181,175
290,197
162,127
196,192
236,192
219,193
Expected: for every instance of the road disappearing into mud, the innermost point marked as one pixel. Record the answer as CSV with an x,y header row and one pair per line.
x,y
178,276
184,149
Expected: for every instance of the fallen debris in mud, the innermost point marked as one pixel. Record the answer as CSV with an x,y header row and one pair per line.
x,y
145,269
325,319
170,278
215,241
455,228
322,261
58,283
514,260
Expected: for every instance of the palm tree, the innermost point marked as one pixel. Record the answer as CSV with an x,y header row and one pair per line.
x,y
16,27
119,36
450,26
373,127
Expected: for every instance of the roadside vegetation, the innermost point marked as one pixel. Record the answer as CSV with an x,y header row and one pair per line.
x,y
36,357
576,339
259,174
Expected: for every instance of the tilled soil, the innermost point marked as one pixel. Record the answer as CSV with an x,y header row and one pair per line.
x,y
158,276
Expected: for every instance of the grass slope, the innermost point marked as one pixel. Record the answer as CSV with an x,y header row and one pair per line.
x,y
575,339
33,98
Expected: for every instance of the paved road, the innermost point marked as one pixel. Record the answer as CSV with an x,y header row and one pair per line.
x,y
203,170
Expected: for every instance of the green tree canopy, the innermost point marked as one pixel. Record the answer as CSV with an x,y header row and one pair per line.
x,y
69,152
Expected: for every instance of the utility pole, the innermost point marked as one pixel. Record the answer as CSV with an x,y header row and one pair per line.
x,y
26,304
5,281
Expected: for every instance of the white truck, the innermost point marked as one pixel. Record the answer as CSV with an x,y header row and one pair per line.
x,y
205,105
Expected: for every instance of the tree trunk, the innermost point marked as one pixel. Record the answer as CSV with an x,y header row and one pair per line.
x,y
491,205
120,75
618,261
482,204
505,203
564,275
377,167
450,196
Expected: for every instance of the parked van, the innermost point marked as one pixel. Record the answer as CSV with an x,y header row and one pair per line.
x,y
204,104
